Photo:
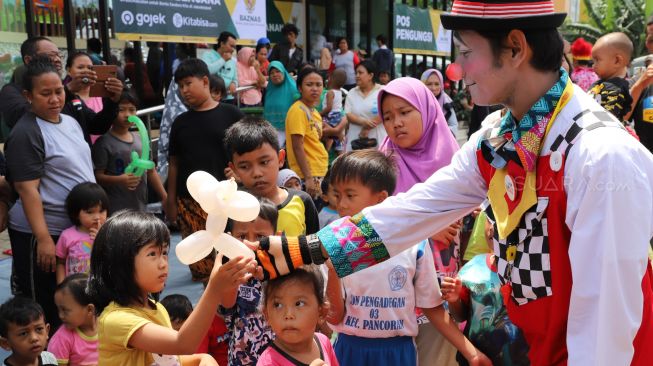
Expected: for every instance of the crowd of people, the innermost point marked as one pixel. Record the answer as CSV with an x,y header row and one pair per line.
x,y
379,240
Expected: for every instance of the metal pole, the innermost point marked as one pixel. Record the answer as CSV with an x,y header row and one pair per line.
x,y
307,51
69,25
368,6
30,24
104,30
138,73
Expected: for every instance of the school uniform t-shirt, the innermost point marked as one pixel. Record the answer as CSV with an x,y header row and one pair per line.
x,y
380,301
197,141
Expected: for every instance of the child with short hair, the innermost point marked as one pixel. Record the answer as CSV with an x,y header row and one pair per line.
x,y
87,206
256,157
376,320
179,308
111,156
196,144
75,342
129,266
611,54
250,332
23,331
329,212
295,306
332,112
217,87
384,77
475,297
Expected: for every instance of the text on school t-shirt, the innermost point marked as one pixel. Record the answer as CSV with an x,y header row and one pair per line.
x,y
380,301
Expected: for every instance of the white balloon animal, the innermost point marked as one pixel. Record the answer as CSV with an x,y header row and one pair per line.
x,y
220,200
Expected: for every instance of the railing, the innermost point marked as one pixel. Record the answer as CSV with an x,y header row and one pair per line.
x,y
49,21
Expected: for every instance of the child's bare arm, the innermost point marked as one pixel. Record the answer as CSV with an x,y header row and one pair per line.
x,y
159,339
448,328
171,204
128,181
334,295
329,106
198,359
61,270
154,181
451,289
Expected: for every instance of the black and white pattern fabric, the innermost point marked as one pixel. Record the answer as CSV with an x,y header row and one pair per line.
x,y
584,121
530,271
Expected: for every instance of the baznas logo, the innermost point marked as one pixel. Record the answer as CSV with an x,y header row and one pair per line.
x,y
127,17
178,20
250,5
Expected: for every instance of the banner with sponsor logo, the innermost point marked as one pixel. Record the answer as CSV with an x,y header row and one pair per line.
x,y
419,31
189,20
281,12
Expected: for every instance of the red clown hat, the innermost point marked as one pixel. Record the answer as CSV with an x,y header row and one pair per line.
x,y
581,49
490,15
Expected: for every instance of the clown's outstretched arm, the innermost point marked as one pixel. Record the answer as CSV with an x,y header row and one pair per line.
x,y
358,242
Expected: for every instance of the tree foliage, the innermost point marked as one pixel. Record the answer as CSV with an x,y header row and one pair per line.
x,y
627,16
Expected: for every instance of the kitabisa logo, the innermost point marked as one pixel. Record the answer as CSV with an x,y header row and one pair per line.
x,y
179,21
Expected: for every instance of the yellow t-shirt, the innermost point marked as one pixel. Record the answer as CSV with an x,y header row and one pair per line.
x,y
117,324
305,121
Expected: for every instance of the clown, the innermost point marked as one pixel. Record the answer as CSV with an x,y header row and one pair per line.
x,y
569,191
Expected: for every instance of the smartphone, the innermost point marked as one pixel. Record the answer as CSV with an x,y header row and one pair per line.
x,y
103,72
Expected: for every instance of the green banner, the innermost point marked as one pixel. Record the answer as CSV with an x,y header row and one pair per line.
x,y
419,31
189,20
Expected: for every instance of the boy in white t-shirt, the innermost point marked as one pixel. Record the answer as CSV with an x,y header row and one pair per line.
x,y
374,310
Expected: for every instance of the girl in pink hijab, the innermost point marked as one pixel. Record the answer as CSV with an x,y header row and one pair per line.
x,y
421,143
249,73
418,135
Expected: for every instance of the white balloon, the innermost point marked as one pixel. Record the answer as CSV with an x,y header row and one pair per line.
x,y
232,248
196,180
243,207
195,247
208,197
216,222
227,188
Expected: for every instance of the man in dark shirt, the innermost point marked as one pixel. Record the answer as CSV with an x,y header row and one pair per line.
x,y
383,57
13,104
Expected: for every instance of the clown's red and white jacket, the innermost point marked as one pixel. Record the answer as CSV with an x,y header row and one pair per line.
x,y
582,282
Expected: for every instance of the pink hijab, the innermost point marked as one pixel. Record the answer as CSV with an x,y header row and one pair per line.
x,y
247,76
437,145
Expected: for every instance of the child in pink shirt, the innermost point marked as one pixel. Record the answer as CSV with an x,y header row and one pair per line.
x,y
87,205
294,306
76,341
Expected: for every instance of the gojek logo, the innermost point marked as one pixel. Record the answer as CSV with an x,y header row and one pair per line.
x,y
141,19
127,17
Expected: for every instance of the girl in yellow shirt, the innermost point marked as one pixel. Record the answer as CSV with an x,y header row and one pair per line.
x,y
129,264
306,154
